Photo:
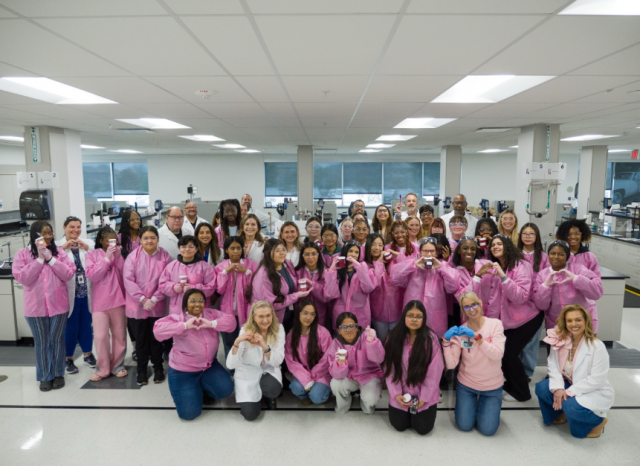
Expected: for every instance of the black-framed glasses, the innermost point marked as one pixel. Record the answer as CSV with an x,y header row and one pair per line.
x,y
347,328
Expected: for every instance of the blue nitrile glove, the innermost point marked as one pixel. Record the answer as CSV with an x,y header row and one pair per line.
x,y
464,330
453,331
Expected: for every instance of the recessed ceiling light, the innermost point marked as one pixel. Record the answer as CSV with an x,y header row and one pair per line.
x,y
619,150
603,8
493,130
589,137
51,91
202,137
489,151
513,147
424,123
380,146
370,150
247,151
229,146
12,138
154,123
87,146
127,151
488,88
395,137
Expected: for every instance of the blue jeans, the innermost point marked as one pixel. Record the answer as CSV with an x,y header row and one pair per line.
x,y
187,388
48,339
319,393
529,355
383,328
79,328
581,420
481,408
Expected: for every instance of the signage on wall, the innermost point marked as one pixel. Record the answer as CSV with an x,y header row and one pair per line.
x,y
634,154
48,180
27,180
34,134
544,171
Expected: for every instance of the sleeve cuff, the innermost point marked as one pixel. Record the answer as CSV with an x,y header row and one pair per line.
x,y
504,279
41,260
248,272
309,385
477,279
214,323
52,261
154,299
142,298
224,271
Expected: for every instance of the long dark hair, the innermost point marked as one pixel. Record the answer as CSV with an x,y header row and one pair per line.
x,y
377,226
510,252
302,263
224,225
368,255
394,243
421,351
309,220
442,240
537,246
340,319
342,273
229,241
272,273
34,233
313,348
214,248
188,294
125,232
102,232
456,260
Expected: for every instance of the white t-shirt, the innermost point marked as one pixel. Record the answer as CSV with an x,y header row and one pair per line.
x,y
471,223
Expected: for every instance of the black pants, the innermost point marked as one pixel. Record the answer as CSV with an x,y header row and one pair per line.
x,y
270,387
147,347
454,319
516,383
131,329
422,422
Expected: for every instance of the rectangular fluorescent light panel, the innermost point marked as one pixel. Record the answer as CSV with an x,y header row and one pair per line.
x,y
493,130
603,8
12,138
127,151
247,151
620,150
370,150
202,137
395,137
87,146
589,137
50,91
513,147
380,146
489,89
229,146
424,123
154,123
490,151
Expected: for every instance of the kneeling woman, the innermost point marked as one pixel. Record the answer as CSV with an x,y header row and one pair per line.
x,y
479,388
194,370
354,364
413,367
577,390
305,348
256,357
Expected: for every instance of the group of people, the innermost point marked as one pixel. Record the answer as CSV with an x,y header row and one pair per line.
x,y
394,302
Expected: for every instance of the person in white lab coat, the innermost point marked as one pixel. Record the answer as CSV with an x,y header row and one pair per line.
x,y
256,357
191,219
577,390
264,218
411,201
459,205
171,232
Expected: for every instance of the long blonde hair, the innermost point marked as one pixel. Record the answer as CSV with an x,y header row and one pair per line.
x,y
251,326
589,334
515,236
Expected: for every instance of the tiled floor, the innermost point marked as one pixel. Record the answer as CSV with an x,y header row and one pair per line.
x,y
130,427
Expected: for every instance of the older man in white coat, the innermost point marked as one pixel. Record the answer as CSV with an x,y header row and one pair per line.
x,y
191,219
171,231
459,205
264,218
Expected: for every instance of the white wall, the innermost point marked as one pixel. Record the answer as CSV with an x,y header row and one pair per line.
x,y
11,155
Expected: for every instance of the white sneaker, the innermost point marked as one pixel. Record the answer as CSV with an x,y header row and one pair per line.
x,y
507,397
440,398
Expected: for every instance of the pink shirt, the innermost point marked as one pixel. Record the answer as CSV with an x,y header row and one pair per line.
x,y
363,360
481,366
45,284
386,299
318,294
236,283
141,280
107,284
300,369
199,274
263,290
193,350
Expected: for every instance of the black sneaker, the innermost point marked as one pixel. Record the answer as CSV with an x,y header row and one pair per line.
x,y
207,399
58,382
134,356
158,376
70,367
46,386
142,378
90,360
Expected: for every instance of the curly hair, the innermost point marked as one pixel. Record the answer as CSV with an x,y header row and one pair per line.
x,y
563,230
487,221
394,243
511,254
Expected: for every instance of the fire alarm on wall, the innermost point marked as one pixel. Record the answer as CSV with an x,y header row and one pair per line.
x,y
634,154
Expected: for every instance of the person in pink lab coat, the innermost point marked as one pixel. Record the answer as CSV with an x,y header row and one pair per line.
x,y
229,220
188,271
354,359
346,230
145,302
351,285
105,266
43,270
234,275
458,228
129,235
304,351
361,229
331,247
478,347
466,259
414,229
413,366
577,234
312,268
195,375
400,243
382,223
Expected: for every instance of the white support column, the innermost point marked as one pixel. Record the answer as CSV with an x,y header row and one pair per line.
x,y
593,179
305,178
450,172
537,143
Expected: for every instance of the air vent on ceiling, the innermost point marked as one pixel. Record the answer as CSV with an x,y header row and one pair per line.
x,y
135,130
493,130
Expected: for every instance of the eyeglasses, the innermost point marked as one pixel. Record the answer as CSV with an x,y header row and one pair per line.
x,y
332,235
574,235
360,229
176,217
415,317
474,306
426,214
528,235
308,314
509,219
189,247
196,301
457,224
313,226
137,219
347,328
310,254
399,232
149,238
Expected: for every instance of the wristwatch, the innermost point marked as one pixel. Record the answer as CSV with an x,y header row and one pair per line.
x,y
268,350
478,337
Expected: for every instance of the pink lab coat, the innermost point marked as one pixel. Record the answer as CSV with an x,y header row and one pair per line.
x,y
106,277
141,277
263,291
429,390
134,244
585,290
225,285
386,299
403,254
193,350
354,297
318,294
199,274
329,258
300,370
45,284
588,259
466,278
430,287
363,360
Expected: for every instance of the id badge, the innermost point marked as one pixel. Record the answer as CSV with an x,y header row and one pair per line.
x,y
467,344
81,279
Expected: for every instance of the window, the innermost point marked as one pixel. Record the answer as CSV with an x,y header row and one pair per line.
x,y
362,181
97,180
431,179
117,182
400,179
626,182
280,181
130,178
327,180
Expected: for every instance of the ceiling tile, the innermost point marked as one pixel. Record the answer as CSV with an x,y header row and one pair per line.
x,y
233,110
263,88
448,110
328,110
252,122
280,110
382,110
85,8
205,7
569,110
622,63
408,88
311,88
173,112
485,7
623,94
504,110
225,89
123,89
325,6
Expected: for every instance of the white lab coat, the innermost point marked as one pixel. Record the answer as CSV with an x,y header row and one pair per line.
x,y
590,383
256,252
168,241
293,256
471,223
71,284
187,228
263,217
249,369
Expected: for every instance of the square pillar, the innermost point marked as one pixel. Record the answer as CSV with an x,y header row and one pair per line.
x,y
593,179
305,178
450,172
